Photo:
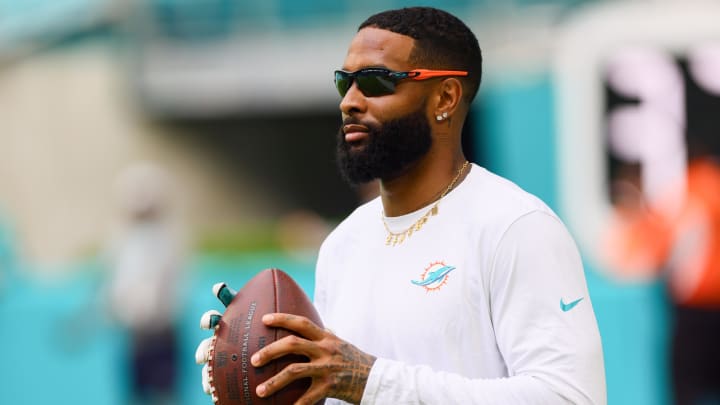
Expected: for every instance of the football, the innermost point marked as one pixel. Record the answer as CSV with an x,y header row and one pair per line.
x,y
241,333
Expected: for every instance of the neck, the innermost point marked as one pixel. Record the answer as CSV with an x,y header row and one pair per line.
x,y
420,184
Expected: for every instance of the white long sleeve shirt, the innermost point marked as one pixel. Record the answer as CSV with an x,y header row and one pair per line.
x,y
486,304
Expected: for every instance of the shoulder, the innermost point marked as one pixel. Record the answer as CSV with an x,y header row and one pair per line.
x,y
353,226
491,209
496,198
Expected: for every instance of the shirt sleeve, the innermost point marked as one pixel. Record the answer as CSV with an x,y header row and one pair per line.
x,y
544,324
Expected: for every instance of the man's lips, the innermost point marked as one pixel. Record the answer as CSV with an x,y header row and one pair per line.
x,y
355,132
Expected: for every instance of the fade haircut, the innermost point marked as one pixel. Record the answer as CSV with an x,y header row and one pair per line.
x,y
442,41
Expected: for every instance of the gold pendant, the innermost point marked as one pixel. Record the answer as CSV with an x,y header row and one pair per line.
x,y
395,239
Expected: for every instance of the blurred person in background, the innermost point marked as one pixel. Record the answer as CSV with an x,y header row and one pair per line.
x,y
683,246
301,232
145,258
454,285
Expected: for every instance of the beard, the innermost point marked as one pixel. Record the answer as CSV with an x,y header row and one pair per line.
x,y
390,148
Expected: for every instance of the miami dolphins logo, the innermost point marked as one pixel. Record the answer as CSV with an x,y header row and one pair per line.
x,y
434,277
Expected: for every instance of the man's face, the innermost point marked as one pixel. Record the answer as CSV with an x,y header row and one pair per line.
x,y
390,148
382,136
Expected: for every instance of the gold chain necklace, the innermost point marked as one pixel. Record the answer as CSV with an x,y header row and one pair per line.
x,y
396,238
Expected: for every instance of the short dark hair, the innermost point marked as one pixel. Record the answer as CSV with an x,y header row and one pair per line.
x,y
442,41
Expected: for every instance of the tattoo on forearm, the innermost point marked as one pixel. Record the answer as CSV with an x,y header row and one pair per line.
x,y
350,382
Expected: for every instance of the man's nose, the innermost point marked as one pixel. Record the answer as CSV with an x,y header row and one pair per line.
x,y
354,100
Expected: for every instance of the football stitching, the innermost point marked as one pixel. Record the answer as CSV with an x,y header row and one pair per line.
x,y
211,355
276,309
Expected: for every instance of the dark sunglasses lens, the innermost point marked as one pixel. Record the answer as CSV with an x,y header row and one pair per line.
x,y
375,84
343,81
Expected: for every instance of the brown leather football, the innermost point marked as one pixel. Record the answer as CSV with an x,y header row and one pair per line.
x,y
241,333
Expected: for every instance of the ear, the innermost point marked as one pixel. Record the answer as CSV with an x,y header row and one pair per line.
x,y
448,98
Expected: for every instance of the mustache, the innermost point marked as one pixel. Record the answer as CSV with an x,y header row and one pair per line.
x,y
372,129
351,121
356,121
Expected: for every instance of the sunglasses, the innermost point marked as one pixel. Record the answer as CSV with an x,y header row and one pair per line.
x,y
374,82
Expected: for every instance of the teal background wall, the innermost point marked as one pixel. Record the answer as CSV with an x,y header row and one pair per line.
x,y
520,142
59,347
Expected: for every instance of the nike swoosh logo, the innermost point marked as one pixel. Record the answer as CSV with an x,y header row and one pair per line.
x,y
566,307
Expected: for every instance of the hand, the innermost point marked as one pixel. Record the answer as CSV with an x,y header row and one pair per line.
x,y
337,368
210,320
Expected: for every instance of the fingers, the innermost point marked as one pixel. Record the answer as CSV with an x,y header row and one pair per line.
x,y
289,374
202,353
206,379
288,345
313,395
224,293
299,324
210,319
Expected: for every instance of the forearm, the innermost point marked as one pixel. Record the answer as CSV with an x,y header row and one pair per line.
x,y
393,382
349,383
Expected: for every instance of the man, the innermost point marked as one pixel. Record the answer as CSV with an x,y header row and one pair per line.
x,y
145,257
454,286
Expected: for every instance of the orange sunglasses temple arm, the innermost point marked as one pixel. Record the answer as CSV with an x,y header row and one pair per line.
x,y
423,74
